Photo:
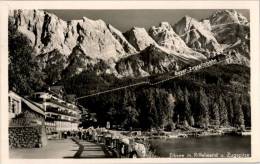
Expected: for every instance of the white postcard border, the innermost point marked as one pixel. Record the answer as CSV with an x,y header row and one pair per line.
x,y
255,68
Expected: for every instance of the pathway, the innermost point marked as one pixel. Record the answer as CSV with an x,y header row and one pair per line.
x,y
64,148
92,150
58,149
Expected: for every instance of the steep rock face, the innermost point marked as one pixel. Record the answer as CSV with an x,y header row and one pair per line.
x,y
234,36
139,38
122,40
152,60
231,28
47,32
96,40
167,38
40,28
79,62
53,63
227,16
206,24
230,33
197,35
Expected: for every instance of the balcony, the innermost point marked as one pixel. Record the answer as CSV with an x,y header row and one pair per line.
x,y
57,111
52,119
62,104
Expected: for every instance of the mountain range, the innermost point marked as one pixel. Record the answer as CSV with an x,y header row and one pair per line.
x,y
84,44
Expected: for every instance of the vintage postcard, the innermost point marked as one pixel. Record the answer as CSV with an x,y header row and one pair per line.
x,y
129,81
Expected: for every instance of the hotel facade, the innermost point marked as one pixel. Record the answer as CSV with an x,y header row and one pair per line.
x,y
60,113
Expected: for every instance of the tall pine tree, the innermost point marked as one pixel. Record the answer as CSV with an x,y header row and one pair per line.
x,y
204,109
223,112
215,113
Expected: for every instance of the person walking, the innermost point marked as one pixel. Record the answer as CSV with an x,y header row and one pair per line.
x,y
84,135
80,135
65,135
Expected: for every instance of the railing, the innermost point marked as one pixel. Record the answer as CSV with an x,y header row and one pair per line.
x,y
49,118
55,110
64,104
121,145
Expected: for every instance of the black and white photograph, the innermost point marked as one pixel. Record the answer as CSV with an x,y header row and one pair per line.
x,y
129,83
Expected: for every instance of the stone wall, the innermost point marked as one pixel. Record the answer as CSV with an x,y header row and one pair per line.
x,y
27,137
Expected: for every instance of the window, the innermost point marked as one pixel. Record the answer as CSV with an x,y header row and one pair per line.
x,y
14,106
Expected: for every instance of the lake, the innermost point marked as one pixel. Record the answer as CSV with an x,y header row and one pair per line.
x,y
203,147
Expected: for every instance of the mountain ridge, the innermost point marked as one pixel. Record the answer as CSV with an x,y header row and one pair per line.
x,y
189,40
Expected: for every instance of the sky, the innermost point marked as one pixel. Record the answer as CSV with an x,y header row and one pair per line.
x,y
126,19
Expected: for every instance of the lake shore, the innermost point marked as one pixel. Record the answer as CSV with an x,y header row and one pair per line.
x,y
192,132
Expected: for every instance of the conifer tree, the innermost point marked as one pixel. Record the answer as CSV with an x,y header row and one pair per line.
x,y
223,112
238,113
204,109
215,113
187,105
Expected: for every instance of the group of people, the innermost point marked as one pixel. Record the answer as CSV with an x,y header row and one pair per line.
x,y
123,144
84,134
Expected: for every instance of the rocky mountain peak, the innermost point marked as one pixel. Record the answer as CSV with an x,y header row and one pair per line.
x,y
227,16
167,38
232,30
122,40
139,38
98,25
152,60
47,32
165,25
196,35
206,24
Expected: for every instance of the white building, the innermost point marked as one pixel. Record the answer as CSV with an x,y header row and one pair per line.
x,y
60,115
24,111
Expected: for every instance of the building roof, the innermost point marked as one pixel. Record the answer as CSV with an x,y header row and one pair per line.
x,y
33,106
14,95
